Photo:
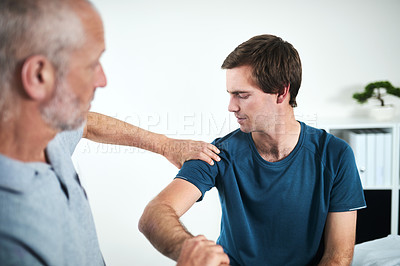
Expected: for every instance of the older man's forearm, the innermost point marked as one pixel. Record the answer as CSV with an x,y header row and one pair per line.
x,y
109,130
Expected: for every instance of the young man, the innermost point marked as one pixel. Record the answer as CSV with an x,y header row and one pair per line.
x,y
289,192
50,69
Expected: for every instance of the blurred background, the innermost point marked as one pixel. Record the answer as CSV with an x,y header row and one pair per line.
x,y
163,63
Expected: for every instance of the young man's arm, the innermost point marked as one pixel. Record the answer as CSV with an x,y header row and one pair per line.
x,y
105,129
160,222
340,231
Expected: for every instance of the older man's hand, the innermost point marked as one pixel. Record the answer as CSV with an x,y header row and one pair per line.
x,y
178,151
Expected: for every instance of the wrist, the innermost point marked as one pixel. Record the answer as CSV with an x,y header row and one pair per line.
x,y
165,145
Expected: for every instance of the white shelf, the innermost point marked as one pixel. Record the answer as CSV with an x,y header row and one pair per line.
x,y
361,122
377,188
338,126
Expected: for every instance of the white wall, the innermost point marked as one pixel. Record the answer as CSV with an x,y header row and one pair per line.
x,y
163,66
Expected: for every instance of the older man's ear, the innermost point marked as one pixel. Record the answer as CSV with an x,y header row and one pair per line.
x,y
38,78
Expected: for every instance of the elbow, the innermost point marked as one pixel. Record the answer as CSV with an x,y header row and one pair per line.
x,y
145,223
149,222
160,225
141,224
150,225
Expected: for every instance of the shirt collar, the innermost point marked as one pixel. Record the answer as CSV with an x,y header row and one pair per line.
x,y
17,176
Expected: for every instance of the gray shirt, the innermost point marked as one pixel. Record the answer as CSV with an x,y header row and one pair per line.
x,y
45,217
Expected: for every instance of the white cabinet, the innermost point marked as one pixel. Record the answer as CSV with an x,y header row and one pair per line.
x,y
391,180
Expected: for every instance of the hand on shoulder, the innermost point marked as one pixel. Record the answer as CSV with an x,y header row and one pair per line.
x,y
178,151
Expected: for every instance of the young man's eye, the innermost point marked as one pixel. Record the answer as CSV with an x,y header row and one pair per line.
x,y
243,96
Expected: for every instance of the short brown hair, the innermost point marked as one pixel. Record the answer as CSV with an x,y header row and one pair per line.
x,y
275,64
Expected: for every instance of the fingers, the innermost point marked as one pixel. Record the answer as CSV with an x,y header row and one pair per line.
x,y
213,148
199,237
206,158
184,150
202,151
200,251
209,153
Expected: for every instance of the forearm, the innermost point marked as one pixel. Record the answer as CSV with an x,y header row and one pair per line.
x,y
337,259
339,238
161,226
108,130
335,262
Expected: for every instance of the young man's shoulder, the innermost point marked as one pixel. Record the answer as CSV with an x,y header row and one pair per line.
x,y
322,139
324,145
235,140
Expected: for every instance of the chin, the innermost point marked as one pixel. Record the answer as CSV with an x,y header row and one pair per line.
x,y
245,129
69,120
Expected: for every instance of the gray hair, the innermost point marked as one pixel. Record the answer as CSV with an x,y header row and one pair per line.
x,y
40,27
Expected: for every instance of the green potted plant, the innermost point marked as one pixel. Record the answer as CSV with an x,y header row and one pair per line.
x,y
377,90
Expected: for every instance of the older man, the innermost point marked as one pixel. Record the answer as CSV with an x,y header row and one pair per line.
x,y
49,72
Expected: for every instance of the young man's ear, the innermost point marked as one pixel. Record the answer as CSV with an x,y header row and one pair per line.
x,y
285,93
38,77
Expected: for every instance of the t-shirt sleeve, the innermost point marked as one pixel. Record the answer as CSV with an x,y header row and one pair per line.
x,y
201,174
347,193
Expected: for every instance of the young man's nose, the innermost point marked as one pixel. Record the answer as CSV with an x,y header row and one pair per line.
x,y
233,106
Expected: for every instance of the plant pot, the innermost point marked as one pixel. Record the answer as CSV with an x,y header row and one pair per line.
x,y
382,113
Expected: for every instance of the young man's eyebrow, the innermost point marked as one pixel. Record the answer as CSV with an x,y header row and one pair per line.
x,y
236,92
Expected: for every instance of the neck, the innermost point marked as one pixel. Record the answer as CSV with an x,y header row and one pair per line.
x,y
279,139
25,137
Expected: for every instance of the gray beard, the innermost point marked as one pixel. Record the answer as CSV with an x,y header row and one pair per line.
x,y
63,112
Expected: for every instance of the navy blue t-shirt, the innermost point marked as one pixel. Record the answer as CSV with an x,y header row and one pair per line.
x,y
275,213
